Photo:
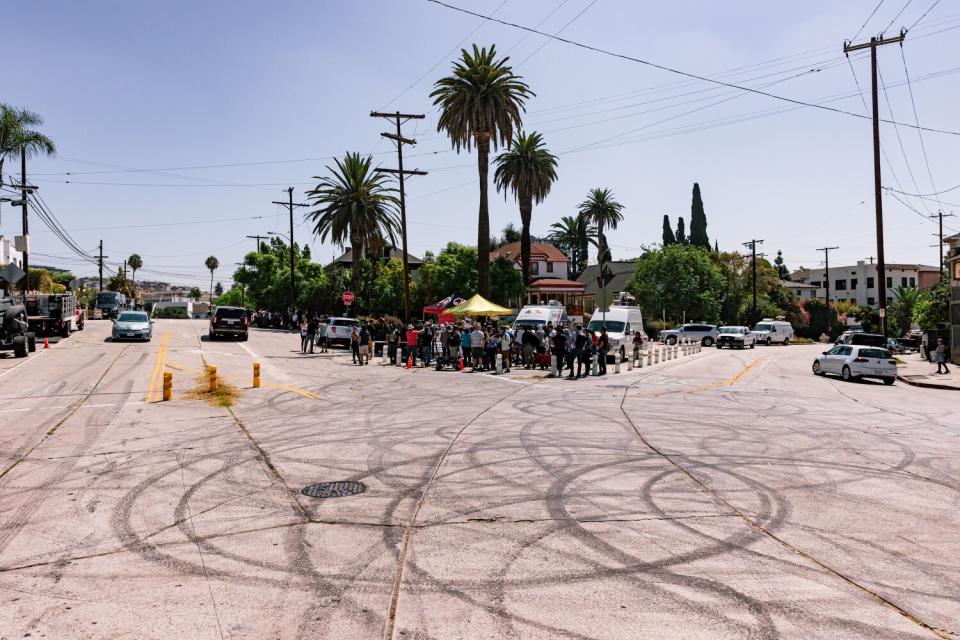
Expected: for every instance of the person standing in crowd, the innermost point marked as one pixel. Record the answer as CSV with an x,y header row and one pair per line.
x,y
518,346
303,336
505,343
444,339
355,344
941,357
428,338
412,337
454,342
557,348
363,339
584,348
393,338
603,348
637,345
476,347
311,331
465,340
370,343
322,334
530,343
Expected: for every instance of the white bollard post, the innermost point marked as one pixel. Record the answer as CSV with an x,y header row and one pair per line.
x,y
649,356
616,363
595,368
630,362
499,363
553,366
383,359
656,355
640,362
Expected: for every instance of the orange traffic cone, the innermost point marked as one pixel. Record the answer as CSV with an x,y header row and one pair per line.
x,y
460,364
409,362
46,343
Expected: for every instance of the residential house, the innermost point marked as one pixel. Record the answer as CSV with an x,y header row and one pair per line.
x,y
389,252
858,283
549,273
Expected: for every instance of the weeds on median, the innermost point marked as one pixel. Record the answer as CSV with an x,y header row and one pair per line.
x,y
224,396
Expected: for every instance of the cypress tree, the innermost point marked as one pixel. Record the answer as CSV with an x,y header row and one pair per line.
x,y
698,220
681,231
668,237
716,246
782,272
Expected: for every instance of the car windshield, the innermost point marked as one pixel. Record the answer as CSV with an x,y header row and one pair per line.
x,y
107,297
763,327
882,354
229,313
132,316
345,322
528,323
614,326
732,330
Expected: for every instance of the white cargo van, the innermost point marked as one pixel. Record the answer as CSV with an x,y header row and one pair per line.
x,y
541,315
621,322
773,332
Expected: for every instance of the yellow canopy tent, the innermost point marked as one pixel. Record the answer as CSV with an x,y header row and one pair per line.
x,y
479,306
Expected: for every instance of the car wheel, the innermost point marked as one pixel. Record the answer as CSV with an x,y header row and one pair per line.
x,y
719,346
671,340
889,381
20,346
786,341
847,375
31,341
817,369
753,344
769,341
708,342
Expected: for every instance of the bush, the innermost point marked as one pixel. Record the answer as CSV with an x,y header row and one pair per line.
x,y
170,313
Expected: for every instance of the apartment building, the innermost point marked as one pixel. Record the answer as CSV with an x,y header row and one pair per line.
x,y
859,282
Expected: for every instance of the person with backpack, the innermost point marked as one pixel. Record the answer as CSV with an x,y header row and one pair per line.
x,y
363,344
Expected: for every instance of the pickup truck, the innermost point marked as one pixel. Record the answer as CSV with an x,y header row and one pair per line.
x,y
339,329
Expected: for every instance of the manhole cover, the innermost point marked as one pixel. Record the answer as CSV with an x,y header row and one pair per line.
x,y
337,489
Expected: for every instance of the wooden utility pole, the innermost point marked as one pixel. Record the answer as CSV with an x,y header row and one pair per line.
x,y
941,215
877,187
753,249
100,264
290,204
26,227
826,276
258,239
399,118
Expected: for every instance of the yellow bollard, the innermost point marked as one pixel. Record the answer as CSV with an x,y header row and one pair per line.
x,y
167,385
212,372
256,375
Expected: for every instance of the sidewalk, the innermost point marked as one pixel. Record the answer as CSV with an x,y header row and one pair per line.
x,y
919,372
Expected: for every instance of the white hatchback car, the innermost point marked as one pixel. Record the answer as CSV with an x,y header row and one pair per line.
x,y
856,361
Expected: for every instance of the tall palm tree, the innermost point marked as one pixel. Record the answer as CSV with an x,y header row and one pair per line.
x,y
572,236
528,170
211,263
603,211
480,104
17,135
906,299
355,205
134,262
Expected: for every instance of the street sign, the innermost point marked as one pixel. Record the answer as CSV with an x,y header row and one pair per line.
x,y
12,273
883,313
348,298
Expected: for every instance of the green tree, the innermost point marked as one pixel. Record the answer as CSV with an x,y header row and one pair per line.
x,y
481,104
681,231
453,271
933,305
354,204
698,221
668,237
679,281
528,170
42,281
211,263
601,210
572,236
506,283
265,275
732,267
904,303
195,293
18,136
218,290
511,234
232,298
782,272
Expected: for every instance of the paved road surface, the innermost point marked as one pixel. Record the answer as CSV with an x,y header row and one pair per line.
x,y
722,495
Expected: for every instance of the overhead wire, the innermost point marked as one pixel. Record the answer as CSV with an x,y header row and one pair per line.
x,y
896,130
561,30
913,102
894,19
863,26
924,15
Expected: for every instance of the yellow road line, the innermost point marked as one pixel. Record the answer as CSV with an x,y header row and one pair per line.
x,y
298,390
154,391
734,379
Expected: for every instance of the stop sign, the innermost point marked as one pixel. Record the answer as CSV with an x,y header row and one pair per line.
x,y
348,297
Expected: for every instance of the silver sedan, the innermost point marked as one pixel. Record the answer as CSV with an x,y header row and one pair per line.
x,y
132,325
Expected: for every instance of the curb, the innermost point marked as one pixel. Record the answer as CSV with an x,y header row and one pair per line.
x,y
927,385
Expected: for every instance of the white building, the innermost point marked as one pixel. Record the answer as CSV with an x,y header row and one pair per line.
x,y
858,282
9,253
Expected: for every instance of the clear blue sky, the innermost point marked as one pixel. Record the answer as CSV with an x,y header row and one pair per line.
x,y
147,85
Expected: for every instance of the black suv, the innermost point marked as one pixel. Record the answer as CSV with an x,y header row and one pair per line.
x,y
229,321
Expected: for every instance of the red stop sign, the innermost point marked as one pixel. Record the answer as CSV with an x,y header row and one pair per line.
x,y
348,297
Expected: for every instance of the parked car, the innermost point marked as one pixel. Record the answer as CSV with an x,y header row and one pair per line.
x,y
860,338
622,321
14,333
338,330
111,303
736,338
132,325
540,315
857,361
773,331
705,334
229,321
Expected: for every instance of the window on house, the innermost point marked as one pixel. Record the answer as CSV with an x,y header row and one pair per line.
x,y
889,282
815,283
870,282
549,267
853,283
534,267
903,281
913,282
840,285
871,301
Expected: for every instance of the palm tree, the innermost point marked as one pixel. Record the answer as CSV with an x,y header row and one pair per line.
x,y
211,263
572,236
902,307
134,262
529,170
17,137
600,209
355,205
480,104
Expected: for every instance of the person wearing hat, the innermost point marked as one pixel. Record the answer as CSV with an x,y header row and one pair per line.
x,y
412,336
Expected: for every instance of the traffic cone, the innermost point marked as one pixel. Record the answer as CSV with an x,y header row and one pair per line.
x,y
460,364
46,343
410,362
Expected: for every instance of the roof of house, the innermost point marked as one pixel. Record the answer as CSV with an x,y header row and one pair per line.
x,y
555,283
539,251
622,272
347,258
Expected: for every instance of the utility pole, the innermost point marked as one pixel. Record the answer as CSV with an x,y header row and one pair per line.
x,y
753,249
258,238
399,118
826,275
877,187
941,215
100,264
26,227
293,277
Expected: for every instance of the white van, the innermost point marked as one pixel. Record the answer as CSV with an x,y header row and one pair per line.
x,y
621,322
541,315
770,331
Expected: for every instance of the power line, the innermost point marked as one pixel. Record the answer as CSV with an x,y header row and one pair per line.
x,y
561,30
924,14
925,195
896,130
913,102
872,13
678,71
897,16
